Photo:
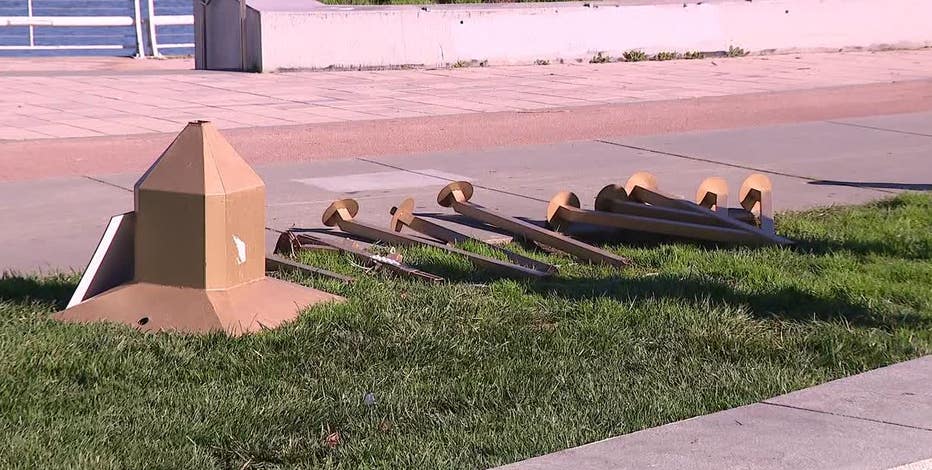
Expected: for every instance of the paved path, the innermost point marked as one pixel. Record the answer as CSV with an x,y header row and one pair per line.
x,y
55,223
878,420
42,102
47,158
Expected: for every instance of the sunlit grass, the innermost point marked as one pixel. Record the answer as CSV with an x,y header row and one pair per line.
x,y
478,371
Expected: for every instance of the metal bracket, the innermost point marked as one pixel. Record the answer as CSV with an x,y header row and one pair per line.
x,y
403,216
342,213
642,188
456,195
291,242
756,196
275,262
564,210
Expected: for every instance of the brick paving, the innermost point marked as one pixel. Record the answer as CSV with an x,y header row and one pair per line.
x,y
42,99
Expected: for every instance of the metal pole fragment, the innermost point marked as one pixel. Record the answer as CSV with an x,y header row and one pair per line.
x,y
290,241
713,194
456,195
275,262
613,199
403,215
642,187
756,195
341,213
564,210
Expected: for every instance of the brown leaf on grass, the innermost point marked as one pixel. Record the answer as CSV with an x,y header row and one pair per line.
x,y
333,440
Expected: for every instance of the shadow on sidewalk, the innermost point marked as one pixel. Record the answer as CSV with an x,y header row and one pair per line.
x,y
875,185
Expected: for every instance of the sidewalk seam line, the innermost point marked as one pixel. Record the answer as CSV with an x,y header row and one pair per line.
x,y
733,165
882,129
501,191
879,421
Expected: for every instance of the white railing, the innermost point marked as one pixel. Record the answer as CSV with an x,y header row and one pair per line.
x,y
156,20
136,20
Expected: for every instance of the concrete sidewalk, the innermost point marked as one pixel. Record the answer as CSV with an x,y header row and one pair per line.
x,y
55,223
89,98
877,420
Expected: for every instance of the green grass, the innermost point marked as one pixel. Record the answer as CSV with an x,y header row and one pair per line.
x,y
478,371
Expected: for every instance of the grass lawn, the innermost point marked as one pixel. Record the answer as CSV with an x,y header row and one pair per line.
x,y
476,372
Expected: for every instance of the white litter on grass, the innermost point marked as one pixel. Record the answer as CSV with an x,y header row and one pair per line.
x,y
386,260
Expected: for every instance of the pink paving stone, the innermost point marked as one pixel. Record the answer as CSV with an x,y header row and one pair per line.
x,y
111,92
108,127
63,130
341,114
311,118
157,125
16,133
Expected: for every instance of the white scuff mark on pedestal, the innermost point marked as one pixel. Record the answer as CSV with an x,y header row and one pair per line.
x,y
240,250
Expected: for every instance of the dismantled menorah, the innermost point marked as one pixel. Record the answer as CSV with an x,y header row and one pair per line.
x,y
638,206
191,256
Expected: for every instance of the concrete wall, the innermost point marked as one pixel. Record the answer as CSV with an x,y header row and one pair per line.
x,y
295,35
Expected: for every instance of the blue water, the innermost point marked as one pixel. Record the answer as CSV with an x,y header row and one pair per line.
x,y
122,35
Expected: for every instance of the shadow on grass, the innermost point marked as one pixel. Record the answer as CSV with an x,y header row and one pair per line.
x,y
875,185
821,246
786,303
53,290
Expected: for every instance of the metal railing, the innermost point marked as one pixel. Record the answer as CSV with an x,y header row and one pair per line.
x,y
165,20
30,21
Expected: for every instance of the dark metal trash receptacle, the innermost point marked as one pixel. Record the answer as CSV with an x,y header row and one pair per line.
x,y
226,36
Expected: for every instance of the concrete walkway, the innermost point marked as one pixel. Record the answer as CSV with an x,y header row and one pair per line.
x,y
55,223
86,98
878,420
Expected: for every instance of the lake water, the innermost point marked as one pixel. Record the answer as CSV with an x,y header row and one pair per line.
x,y
122,35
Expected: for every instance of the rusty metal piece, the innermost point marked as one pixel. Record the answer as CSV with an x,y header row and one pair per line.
x,y
713,194
756,196
275,262
342,213
744,215
291,242
564,210
642,187
457,194
403,215
613,198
